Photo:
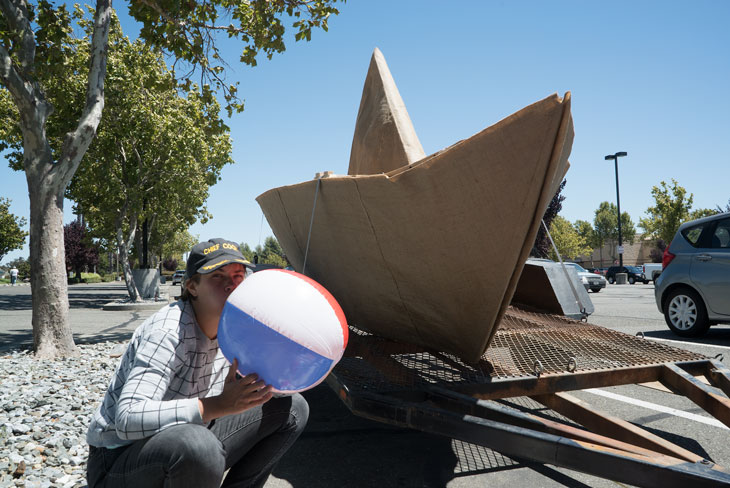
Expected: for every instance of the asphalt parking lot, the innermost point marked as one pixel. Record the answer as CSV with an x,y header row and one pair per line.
x,y
340,449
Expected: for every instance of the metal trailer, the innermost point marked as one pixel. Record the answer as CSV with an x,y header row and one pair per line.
x,y
541,357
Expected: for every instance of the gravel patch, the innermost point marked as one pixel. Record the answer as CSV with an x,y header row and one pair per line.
x,y
45,408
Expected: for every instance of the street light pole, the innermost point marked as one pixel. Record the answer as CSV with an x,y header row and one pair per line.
x,y
615,157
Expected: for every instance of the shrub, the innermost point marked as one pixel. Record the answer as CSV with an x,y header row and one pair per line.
x,y
90,278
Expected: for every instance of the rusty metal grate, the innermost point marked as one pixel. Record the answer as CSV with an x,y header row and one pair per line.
x,y
560,345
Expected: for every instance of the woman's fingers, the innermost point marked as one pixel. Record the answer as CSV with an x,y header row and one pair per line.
x,y
232,371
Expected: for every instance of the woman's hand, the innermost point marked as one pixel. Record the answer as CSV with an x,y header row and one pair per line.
x,y
239,394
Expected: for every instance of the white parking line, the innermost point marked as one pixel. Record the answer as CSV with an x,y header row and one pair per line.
x,y
658,408
687,343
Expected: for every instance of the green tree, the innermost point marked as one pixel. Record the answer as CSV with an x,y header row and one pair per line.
x,y
702,212
247,251
154,158
605,225
271,253
672,208
175,245
23,266
37,46
726,209
586,231
11,235
569,242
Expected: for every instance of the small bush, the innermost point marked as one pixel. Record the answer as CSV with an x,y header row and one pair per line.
x,y
90,278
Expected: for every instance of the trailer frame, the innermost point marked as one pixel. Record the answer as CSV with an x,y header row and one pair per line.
x,y
542,357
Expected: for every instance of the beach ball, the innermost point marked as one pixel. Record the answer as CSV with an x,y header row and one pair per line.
x,y
285,327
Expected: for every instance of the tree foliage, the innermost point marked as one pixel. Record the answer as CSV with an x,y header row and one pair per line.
x,y
23,266
605,225
702,212
185,30
726,209
569,242
38,53
175,245
585,230
80,251
270,253
169,264
12,236
672,208
542,247
657,253
154,158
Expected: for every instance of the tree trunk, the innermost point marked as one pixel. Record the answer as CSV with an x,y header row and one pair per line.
x,y
47,179
123,245
52,335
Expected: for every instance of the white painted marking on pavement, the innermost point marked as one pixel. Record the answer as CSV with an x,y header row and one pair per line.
x,y
658,408
687,343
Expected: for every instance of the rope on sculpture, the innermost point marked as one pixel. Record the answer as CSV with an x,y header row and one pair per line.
x,y
584,315
311,223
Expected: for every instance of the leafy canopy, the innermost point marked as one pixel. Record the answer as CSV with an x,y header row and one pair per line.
x,y
23,267
187,31
569,242
11,235
605,225
156,153
672,208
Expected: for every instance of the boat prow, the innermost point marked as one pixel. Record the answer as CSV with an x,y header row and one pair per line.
x,y
431,251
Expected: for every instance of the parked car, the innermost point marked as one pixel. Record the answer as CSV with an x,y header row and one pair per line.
x,y
652,270
634,274
178,277
590,281
693,291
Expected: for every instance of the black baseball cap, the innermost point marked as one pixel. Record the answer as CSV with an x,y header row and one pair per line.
x,y
205,257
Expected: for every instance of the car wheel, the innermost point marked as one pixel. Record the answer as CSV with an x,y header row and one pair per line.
x,y
595,290
611,280
632,280
685,313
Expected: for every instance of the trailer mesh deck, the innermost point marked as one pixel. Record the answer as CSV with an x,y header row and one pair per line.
x,y
539,358
524,345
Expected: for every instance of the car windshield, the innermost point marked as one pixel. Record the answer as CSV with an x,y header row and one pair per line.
x,y
577,267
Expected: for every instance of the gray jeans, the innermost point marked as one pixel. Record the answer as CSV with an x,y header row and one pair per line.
x,y
248,445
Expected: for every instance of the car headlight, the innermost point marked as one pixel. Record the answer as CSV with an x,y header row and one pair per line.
x,y
584,280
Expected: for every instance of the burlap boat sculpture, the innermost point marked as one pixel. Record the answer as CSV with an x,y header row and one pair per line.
x,y
426,250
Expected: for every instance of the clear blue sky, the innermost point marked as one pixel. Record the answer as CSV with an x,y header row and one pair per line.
x,y
651,78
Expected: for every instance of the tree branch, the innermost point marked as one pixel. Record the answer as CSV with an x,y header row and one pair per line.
x,y
231,29
77,142
16,12
25,92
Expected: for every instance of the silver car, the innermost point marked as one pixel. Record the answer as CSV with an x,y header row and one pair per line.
x,y
693,291
591,281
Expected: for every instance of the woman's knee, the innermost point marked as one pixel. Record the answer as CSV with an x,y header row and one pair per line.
x,y
194,452
300,408
298,412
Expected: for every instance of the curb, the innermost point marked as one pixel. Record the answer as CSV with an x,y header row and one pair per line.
x,y
116,306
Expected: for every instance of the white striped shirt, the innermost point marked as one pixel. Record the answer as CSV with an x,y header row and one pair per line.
x,y
168,365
